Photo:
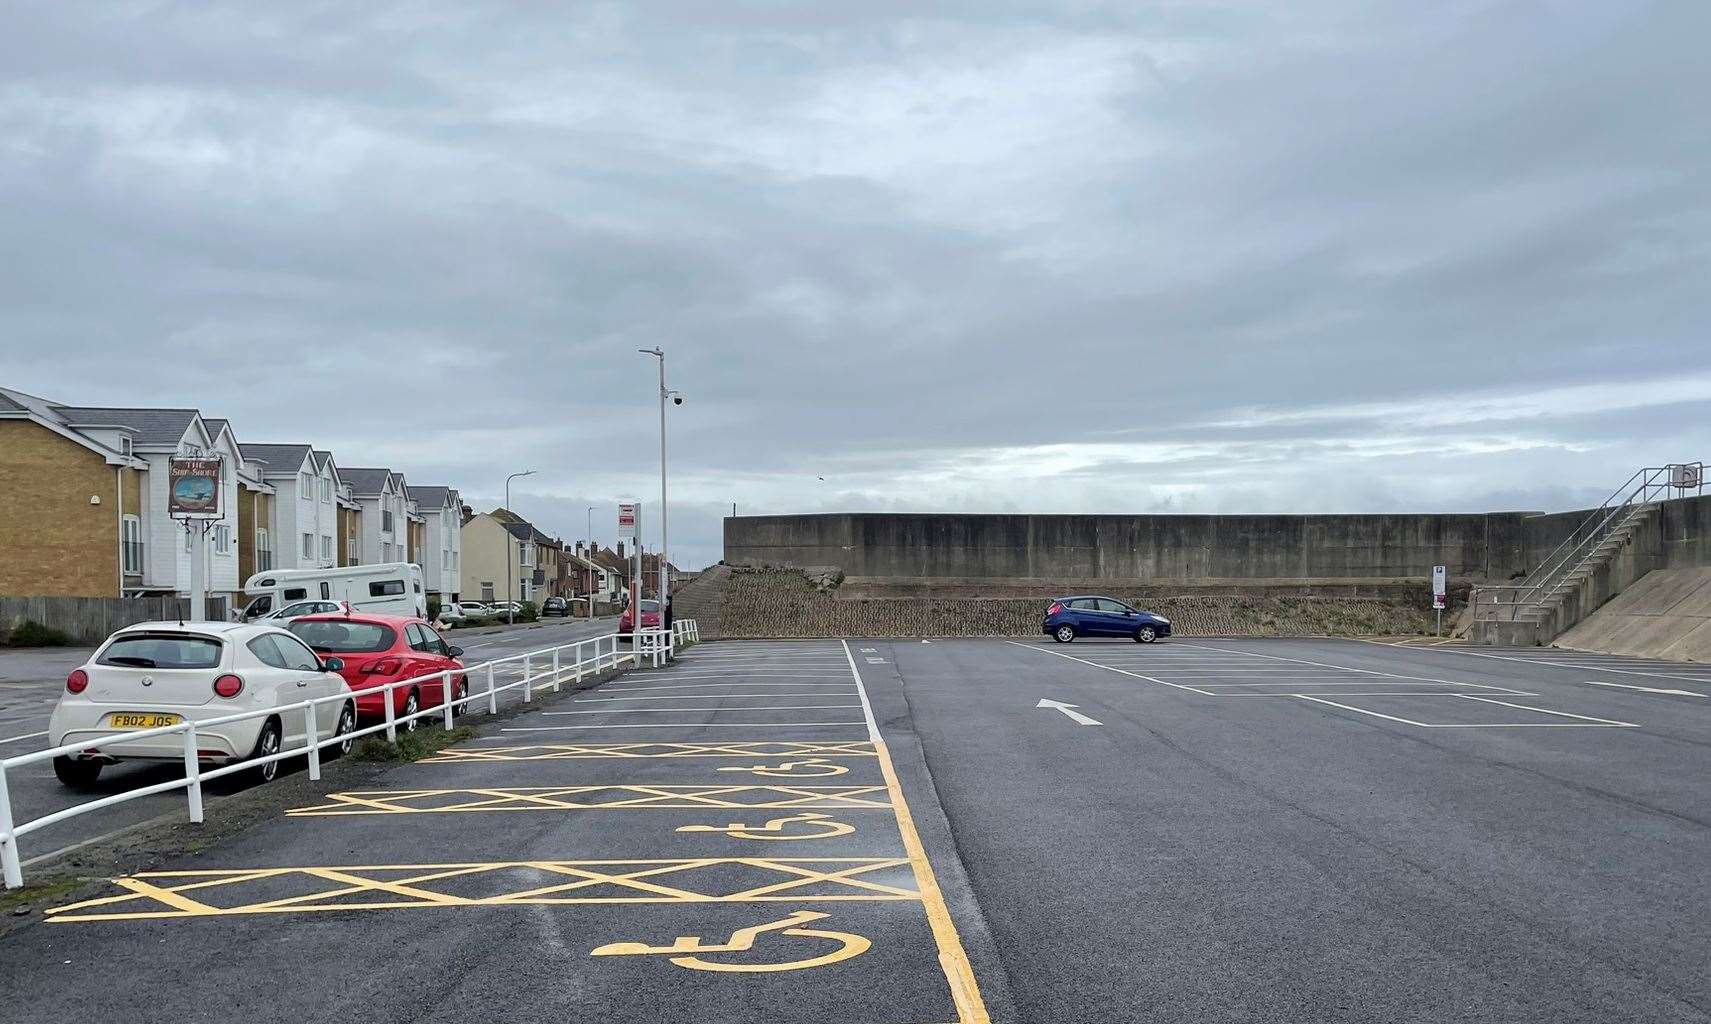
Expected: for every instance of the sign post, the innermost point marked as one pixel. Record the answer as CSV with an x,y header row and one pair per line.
x,y
629,528
1439,579
194,498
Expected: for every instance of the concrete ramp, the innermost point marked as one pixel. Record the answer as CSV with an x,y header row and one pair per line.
x,y
1666,614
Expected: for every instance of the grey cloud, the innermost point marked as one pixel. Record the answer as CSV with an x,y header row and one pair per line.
x,y
891,244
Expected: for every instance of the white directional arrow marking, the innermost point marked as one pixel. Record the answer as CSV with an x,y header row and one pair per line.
x,y
1068,709
1647,689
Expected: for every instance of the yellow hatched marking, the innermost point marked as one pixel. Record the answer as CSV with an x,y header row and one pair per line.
x,y
568,751
151,895
594,798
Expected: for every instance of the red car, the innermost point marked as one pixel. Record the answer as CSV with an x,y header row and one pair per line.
x,y
650,617
381,649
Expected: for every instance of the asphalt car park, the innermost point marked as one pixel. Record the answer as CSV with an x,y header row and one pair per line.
x,y
960,830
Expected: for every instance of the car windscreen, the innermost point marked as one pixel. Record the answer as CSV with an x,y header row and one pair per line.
x,y
146,650
333,636
650,606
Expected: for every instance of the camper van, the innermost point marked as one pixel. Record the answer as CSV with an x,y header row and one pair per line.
x,y
391,588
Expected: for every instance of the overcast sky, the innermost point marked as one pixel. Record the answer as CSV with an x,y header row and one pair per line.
x,y
1197,257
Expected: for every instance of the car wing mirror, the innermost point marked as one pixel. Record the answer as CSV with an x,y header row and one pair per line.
x,y
454,652
333,665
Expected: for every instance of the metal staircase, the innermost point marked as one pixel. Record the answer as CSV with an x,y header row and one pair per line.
x,y
1599,537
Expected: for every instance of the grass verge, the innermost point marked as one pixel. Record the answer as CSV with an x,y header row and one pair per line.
x,y
411,746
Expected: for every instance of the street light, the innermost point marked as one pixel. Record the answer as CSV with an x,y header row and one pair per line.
x,y
510,604
591,580
664,535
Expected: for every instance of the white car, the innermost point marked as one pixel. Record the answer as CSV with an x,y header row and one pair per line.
x,y
161,673
291,611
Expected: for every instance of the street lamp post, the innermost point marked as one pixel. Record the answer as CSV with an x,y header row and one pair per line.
x,y
591,580
510,602
664,535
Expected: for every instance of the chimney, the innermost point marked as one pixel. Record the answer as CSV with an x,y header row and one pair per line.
x,y
621,551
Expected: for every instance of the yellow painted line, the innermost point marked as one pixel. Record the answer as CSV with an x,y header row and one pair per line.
x,y
151,895
595,798
959,973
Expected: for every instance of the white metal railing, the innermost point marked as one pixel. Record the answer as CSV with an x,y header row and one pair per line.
x,y
592,655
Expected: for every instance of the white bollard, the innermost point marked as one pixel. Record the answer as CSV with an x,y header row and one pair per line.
x,y
192,772
555,669
446,694
492,694
10,867
528,684
313,732
391,715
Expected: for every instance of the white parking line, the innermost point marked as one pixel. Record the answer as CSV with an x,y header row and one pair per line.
x,y
33,735
1547,711
1625,686
1365,671
672,711
1109,668
689,725
705,696
701,686
1567,664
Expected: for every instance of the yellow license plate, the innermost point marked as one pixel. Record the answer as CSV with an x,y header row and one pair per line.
x,y
140,720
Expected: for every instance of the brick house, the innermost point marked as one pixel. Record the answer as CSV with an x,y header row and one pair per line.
x,y
83,497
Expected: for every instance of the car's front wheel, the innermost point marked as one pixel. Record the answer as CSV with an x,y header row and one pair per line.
x,y
462,692
1064,633
76,774
1146,635
412,704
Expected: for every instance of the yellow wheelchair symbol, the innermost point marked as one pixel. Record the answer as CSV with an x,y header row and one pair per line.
x,y
684,951
814,769
822,827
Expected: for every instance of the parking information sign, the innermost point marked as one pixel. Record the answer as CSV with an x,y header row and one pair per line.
x,y
627,521
1439,578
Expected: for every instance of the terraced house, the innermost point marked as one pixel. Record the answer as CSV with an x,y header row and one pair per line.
x,y
83,497
442,548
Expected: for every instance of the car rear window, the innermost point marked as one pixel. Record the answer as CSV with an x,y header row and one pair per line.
x,y
650,606
161,651
338,637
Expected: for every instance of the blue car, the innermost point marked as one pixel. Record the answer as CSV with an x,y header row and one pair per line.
x,y
1070,617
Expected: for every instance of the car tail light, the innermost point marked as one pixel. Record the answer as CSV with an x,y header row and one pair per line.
x,y
77,682
384,667
1057,606
228,686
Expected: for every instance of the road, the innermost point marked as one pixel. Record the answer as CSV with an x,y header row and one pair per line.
x,y
30,684
808,831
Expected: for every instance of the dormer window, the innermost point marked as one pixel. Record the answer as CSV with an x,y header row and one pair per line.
x,y
124,444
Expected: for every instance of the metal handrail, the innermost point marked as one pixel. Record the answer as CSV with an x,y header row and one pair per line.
x,y
1652,481
658,643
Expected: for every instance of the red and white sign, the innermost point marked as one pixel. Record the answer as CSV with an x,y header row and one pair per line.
x,y
627,521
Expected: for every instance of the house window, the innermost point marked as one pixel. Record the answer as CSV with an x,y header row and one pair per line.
x,y
326,491
125,448
308,545
386,521
133,545
263,550
222,539
306,487
487,591
326,547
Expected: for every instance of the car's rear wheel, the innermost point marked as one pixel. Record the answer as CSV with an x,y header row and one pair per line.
x,y
1064,633
342,731
76,774
412,704
266,745
1146,635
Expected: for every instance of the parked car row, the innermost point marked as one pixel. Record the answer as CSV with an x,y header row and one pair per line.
x,y
156,674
